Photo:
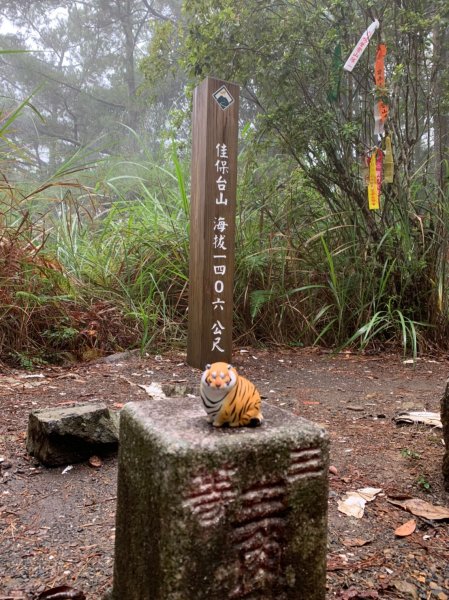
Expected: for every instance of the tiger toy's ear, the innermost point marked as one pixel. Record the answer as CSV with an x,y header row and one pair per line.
x,y
207,367
230,367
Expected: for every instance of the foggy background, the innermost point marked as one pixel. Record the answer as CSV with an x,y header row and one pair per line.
x,y
82,77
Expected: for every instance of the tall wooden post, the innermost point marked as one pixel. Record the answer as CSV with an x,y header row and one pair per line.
x,y
212,221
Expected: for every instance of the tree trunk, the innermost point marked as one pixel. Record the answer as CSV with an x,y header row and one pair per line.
x,y
441,170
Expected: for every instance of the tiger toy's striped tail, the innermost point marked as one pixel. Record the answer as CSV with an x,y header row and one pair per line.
x,y
229,398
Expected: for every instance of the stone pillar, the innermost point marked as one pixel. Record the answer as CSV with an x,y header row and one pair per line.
x,y
216,514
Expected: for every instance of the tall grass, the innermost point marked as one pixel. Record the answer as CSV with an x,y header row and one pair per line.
x,y
132,253
100,263
312,275
34,294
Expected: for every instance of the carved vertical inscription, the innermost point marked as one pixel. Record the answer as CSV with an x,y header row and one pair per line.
x,y
305,463
258,538
208,495
260,527
259,522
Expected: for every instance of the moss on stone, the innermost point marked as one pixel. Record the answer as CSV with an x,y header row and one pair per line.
x,y
266,518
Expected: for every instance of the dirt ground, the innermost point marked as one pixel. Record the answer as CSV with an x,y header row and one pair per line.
x,y
58,528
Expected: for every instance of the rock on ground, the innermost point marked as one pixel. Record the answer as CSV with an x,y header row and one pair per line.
x,y
58,436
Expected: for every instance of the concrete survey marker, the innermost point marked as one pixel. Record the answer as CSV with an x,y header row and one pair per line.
x,y
219,514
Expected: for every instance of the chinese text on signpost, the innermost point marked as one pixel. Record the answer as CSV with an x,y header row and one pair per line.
x,y
212,222
219,244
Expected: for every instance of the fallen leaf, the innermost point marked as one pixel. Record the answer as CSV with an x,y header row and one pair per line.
x,y
71,376
154,390
12,382
62,592
406,528
337,563
65,403
353,503
421,508
427,418
355,542
398,494
354,594
95,462
405,587
369,493
333,470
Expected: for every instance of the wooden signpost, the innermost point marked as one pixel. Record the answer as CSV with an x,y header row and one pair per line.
x,y
212,221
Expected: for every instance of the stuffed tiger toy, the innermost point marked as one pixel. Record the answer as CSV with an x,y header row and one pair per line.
x,y
229,398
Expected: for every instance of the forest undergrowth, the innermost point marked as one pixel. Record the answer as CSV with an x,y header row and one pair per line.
x,y
95,260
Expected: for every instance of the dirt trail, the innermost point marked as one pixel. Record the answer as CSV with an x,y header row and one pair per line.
x,y
58,529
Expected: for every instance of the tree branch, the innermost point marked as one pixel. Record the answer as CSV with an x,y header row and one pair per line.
x,y
155,13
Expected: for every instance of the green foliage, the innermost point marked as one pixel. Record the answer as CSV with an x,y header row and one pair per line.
x,y
424,484
102,278
23,361
314,264
161,61
136,253
113,273
410,454
306,276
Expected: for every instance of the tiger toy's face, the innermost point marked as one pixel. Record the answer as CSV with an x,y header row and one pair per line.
x,y
220,376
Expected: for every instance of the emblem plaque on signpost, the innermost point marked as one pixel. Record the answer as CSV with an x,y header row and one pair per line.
x,y
212,221
223,97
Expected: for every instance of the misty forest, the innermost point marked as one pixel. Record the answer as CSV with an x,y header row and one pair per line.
x,y
95,151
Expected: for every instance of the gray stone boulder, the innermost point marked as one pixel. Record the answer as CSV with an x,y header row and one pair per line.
x,y
445,421
59,436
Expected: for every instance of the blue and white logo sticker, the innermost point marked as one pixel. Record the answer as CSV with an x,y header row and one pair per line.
x,y
223,97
